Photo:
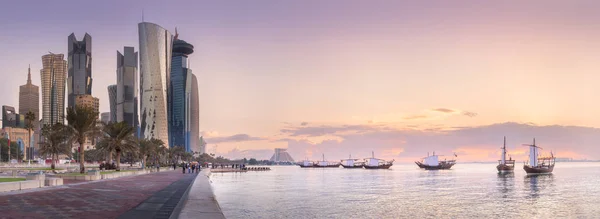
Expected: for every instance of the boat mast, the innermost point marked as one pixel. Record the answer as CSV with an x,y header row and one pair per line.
x,y
504,152
323,157
373,154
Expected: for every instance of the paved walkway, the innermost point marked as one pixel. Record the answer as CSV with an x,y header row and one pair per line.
x,y
98,199
200,201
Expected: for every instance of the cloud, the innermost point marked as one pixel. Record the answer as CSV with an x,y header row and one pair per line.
x,y
443,110
477,143
304,123
233,138
416,117
469,114
208,134
314,131
261,154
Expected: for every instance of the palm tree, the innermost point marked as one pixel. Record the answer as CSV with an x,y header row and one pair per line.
x,y
118,137
29,118
83,124
56,142
175,153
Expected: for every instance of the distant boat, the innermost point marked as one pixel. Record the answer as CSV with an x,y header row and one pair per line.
x,y
374,163
326,164
352,163
432,163
538,165
503,164
306,164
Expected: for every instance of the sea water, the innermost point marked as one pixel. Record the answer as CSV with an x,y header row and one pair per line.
x,y
468,190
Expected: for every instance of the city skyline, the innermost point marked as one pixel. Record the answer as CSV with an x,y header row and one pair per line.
x,y
345,78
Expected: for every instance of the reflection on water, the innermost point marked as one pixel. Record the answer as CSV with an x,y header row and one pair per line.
x,y
466,191
505,183
538,182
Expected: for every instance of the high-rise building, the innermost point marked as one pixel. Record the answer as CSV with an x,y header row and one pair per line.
x,y
88,101
105,117
29,98
112,102
183,99
53,76
155,62
11,118
80,68
201,146
127,89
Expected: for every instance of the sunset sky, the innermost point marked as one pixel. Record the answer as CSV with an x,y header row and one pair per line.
x,y
340,77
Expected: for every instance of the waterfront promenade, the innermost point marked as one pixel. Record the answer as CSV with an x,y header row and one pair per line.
x,y
154,195
200,201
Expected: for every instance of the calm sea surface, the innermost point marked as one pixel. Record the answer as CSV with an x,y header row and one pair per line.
x,y
404,191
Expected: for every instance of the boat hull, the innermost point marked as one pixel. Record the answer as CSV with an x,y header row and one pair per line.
x,y
352,167
420,164
327,166
302,166
387,166
538,170
505,168
438,167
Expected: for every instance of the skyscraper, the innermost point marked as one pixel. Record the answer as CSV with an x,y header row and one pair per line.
x,y
155,61
80,67
112,102
183,99
29,98
53,76
127,89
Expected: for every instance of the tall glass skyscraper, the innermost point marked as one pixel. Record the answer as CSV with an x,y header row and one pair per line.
x,y
112,102
53,76
127,88
80,68
183,96
155,62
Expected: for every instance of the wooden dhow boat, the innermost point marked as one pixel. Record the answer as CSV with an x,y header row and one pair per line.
x,y
538,165
433,163
326,164
306,164
503,164
352,163
374,163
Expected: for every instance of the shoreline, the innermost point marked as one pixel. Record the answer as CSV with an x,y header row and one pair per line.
x,y
199,201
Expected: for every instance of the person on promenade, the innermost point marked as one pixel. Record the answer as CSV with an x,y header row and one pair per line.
x,y
193,168
183,167
174,166
189,168
157,167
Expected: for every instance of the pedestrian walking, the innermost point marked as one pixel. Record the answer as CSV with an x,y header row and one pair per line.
x,y
183,167
193,168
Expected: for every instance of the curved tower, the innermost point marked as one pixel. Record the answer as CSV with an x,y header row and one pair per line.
x,y
79,60
183,114
155,64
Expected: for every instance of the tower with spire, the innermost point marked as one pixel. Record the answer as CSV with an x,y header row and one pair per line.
x,y
29,97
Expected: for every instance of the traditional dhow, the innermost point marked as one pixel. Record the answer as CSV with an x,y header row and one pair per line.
x,y
325,164
306,164
433,163
374,163
352,163
503,164
538,165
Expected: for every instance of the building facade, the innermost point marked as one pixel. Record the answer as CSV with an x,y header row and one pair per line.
x,y
155,62
79,81
88,101
29,98
10,118
127,88
21,137
53,75
105,117
183,99
112,102
281,155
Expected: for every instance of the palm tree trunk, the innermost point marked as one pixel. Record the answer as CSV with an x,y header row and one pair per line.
x,y
29,146
52,166
81,157
118,161
144,162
